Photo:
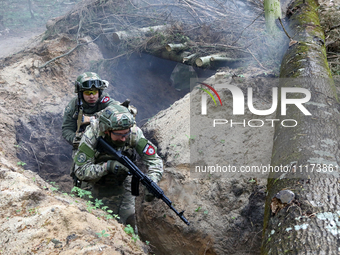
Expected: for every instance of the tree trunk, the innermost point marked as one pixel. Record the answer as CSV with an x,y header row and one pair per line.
x,y
272,11
310,224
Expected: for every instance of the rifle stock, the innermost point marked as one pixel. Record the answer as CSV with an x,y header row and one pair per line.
x,y
137,173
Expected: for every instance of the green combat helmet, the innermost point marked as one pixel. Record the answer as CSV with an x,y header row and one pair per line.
x,y
89,80
115,117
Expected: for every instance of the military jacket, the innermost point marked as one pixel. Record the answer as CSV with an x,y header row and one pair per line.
x,y
69,126
90,163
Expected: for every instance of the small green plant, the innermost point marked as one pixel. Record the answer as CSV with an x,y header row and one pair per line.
x,y
197,209
20,163
108,216
17,146
90,206
54,187
98,203
147,242
102,234
129,230
81,193
206,212
33,211
192,137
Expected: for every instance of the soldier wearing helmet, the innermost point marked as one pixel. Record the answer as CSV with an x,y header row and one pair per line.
x,y
108,178
82,109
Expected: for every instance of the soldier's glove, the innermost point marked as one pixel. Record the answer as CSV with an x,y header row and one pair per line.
x,y
148,196
117,168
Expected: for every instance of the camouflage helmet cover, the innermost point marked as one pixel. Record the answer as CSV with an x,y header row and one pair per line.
x,y
90,76
115,117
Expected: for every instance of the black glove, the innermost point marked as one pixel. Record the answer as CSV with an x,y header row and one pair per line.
x,y
117,168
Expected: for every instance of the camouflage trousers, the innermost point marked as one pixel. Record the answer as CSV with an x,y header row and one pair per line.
x,y
117,197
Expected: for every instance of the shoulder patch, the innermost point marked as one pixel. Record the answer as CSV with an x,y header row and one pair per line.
x,y
67,109
149,150
105,99
81,158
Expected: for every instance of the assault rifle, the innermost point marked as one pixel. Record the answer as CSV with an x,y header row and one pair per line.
x,y
138,175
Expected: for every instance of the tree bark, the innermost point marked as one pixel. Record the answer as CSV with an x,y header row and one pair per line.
x,y
310,223
272,11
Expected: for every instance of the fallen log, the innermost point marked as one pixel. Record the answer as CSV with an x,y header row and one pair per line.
x,y
140,33
176,47
174,56
226,59
204,61
189,58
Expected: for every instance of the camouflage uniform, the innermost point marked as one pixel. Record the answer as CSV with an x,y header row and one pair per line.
x,y
69,126
93,166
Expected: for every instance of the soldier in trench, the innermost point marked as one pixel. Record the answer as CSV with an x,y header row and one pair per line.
x,y
83,108
107,177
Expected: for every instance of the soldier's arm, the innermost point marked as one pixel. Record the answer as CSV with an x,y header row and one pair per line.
x,y
69,126
85,167
148,152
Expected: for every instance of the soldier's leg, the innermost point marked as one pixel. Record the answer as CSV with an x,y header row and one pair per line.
x,y
127,208
118,198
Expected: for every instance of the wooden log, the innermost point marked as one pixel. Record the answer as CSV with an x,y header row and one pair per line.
x,y
226,59
176,47
189,58
174,56
119,36
204,61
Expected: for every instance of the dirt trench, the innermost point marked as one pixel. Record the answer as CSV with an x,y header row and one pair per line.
x,y
33,105
143,79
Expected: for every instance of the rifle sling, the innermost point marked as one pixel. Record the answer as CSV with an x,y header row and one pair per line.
x,y
79,120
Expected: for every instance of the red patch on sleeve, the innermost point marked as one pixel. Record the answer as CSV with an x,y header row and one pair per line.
x,y
105,99
149,150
